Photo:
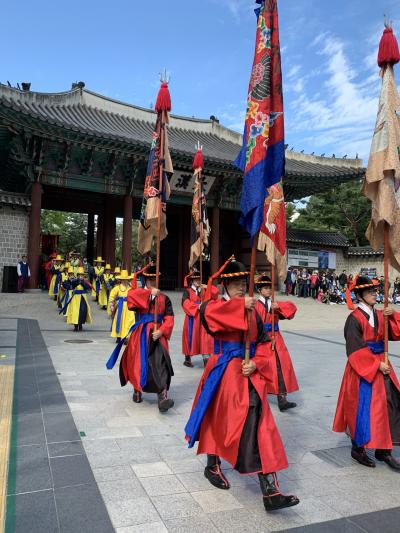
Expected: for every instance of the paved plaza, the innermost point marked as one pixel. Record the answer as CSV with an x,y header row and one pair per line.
x,y
115,465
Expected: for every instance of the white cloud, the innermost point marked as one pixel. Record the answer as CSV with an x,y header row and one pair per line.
x,y
343,114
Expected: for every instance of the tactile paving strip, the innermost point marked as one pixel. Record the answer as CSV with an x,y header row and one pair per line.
x,y
6,398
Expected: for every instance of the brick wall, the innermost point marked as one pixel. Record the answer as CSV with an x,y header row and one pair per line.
x,y
13,236
356,263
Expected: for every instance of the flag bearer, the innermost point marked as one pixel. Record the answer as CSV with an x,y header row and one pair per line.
x,y
231,417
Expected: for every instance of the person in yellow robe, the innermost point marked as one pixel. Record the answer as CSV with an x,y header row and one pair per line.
x,y
78,311
123,319
106,283
75,261
55,277
115,285
61,291
98,271
67,286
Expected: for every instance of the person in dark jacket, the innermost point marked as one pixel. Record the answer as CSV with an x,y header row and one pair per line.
x,y
23,273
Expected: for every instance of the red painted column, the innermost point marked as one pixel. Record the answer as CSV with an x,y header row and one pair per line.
x,y
215,239
34,234
127,234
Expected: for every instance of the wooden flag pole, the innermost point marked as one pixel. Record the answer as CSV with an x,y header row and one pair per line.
x,y
386,288
160,190
273,280
201,229
251,294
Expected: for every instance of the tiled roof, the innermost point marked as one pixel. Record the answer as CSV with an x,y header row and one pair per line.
x,y
363,251
318,238
84,112
14,199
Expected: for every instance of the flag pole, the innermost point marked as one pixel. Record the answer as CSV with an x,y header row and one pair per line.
x,y
160,191
273,281
201,230
386,288
251,294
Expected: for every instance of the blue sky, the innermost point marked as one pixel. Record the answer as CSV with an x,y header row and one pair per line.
x,y
118,48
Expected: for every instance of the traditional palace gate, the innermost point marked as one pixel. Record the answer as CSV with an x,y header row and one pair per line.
x,y
82,152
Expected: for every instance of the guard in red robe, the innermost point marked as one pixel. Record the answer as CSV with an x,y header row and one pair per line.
x,y
195,339
231,417
368,407
146,362
282,376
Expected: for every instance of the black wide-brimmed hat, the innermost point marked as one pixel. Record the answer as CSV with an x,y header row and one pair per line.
x,y
234,270
362,283
263,281
150,272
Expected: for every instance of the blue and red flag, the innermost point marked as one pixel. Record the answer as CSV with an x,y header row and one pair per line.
x,y
262,157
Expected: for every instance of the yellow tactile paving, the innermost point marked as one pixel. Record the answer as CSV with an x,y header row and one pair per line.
x,y
6,397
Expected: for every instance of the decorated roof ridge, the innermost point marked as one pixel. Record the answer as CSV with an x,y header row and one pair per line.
x,y
364,250
318,237
111,105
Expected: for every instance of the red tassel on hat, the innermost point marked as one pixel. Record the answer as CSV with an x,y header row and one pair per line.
x,y
388,53
215,276
163,102
198,161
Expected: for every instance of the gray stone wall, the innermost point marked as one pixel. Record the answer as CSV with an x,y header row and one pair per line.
x,y
14,225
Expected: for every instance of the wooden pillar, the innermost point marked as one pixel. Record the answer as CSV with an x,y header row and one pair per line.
x,y
90,238
34,234
127,234
109,231
215,260
100,234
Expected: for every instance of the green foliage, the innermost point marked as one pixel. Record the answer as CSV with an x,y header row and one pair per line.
x,y
344,209
71,228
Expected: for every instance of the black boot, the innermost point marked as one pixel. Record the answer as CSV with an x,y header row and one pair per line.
x,y
387,457
214,473
205,359
273,498
283,404
80,327
75,327
359,454
164,403
137,396
188,361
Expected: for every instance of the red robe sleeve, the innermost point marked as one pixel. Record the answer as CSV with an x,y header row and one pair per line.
x,y
361,359
189,306
138,300
226,315
168,321
286,310
394,327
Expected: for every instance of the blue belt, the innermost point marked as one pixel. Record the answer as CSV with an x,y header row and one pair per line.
x,y
363,422
268,327
56,284
191,325
144,347
76,291
120,308
229,351
97,286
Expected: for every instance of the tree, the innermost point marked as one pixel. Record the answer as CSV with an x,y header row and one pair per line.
x,y
344,209
70,227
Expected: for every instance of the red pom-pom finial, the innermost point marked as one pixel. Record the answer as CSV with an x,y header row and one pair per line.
x,y
163,102
198,161
388,53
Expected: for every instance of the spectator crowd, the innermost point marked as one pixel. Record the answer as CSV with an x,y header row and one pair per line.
x,y
329,287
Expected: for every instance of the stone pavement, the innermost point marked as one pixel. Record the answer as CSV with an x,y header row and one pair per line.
x,y
149,480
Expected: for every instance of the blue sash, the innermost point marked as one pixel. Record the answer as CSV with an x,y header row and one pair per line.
x,y
363,422
191,324
120,307
229,351
268,327
97,286
57,283
144,347
75,291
